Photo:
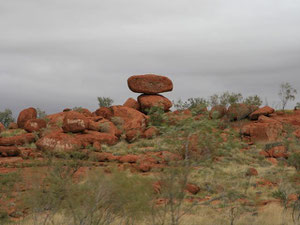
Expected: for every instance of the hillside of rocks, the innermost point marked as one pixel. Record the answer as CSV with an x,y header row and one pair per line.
x,y
124,136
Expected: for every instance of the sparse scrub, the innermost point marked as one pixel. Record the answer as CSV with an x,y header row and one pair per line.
x,y
105,101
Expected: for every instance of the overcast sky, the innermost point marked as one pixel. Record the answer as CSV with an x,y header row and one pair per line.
x,y
64,53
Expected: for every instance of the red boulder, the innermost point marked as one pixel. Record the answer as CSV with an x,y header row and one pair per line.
x,y
149,84
25,115
60,142
148,101
262,111
35,125
74,122
17,140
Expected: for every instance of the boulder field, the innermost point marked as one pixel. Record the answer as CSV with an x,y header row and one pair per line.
x,y
70,130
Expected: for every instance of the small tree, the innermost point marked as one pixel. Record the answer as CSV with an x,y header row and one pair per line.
x,y
286,93
6,117
227,98
253,100
105,101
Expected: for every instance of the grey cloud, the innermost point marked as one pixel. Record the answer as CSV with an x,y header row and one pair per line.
x,y
63,53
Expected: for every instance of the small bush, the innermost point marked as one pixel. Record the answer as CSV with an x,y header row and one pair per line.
x,y
105,101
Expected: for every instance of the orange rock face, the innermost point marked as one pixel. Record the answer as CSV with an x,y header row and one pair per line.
x,y
149,84
34,125
60,142
26,114
148,101
75,122
132,103
262,111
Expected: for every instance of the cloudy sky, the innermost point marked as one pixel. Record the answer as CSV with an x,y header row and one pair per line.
x,y
64,53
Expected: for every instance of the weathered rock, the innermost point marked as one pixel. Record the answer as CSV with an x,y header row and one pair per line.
x,y
134,122
12,126
132,103
238,111
75,122
2,127
59,142
17,140
263,131
35,125
148,101
93,136
8,151
25,115
262,111
217,112
104,112
149,84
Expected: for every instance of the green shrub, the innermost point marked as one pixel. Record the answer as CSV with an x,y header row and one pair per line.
x,y
6,117
105,101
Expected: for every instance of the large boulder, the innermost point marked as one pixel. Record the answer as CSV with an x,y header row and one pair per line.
x,y
265,111
59,142
17,140
148,101
149,84
217,112
2,127
35,125
25,115
132,103
75,122
265,130
239,111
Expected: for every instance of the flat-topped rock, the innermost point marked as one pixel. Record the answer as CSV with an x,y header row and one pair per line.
x,y
149,84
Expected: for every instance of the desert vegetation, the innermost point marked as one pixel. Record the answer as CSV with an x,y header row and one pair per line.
x,y
212,161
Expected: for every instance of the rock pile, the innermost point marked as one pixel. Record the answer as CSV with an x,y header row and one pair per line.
x,y
150,86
